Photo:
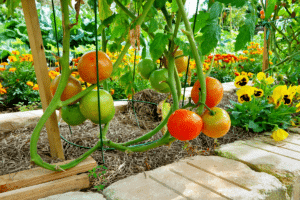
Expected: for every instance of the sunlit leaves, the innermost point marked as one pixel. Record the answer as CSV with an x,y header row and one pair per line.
x,y
158,45
200,21
270,8
236,3
104,9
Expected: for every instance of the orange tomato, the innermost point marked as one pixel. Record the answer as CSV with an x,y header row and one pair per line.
x,y
214,92
217,125
87,67
72,88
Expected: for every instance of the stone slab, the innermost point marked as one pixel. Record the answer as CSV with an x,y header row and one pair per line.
x,y
199,177
76,196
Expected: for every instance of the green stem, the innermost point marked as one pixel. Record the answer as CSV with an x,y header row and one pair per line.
x,y
191,39
171,81
168,18
64,62
120,57
178,83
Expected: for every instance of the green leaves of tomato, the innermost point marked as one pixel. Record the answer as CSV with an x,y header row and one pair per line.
x,y
158,45
104,9
246,32
201,19
236,3
211,31
270,8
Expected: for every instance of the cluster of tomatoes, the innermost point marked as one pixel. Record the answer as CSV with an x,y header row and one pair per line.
x,y
184,124
87,107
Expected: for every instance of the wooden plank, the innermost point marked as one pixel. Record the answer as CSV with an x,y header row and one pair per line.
x,y
266,44
41,70
36,192
40,175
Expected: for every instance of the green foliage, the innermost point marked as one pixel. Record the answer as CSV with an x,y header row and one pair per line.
x,y
246,32
158,45
95,175
236,3
270,8
104,9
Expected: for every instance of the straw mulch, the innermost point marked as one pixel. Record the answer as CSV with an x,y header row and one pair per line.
x,y
15,156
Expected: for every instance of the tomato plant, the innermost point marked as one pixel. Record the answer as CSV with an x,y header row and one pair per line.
x,y
167,28
73,87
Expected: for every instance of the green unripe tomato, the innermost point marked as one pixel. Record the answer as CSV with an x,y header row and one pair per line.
x,y
158,80
71,115
89,106
146,67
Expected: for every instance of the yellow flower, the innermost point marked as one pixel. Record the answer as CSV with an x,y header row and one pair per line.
x,y
252,59
2,90
180,75
53,74
244,94
15,52
279,135
241,81
282,94
261,76
258,92
270,52
36,87
12,58
29,83
244,74
271,63
245,51
293,123
12,69
250,74
112,91
298,107
2,69
4,63
270,80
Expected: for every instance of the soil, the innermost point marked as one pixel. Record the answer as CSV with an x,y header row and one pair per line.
x,y
14,149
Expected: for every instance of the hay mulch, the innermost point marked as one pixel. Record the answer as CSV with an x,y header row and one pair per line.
x,y
15,156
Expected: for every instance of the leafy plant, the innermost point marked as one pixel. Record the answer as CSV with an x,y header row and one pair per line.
x,y
263,107
95,175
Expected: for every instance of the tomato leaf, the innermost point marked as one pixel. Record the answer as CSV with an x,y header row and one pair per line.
x,y
158,45
153,25
246,32
119,26
270,8
212,31
104,9
202,17
174,6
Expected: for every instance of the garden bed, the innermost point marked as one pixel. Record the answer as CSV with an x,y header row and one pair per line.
x,y
16,157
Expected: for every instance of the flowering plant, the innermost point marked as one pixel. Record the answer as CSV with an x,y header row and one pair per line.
x,y
264,106
18,80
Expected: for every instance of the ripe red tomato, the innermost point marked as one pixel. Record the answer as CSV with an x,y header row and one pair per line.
x,y
184,125
214,92
72,88
88,106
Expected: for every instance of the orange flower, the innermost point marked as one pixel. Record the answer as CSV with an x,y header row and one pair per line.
x,y
53,74
2,69
15,52
12,58
12,69
2,90
56,63
57,69
29,83
36,87
4,63
112,91
236,73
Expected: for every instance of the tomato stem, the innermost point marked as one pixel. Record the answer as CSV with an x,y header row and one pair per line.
x,y
210,110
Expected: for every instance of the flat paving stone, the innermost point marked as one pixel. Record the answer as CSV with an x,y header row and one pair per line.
x,y
76,196
282,159
199,177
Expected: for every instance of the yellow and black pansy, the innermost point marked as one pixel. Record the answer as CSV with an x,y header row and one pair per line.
x,y
282,94
258,92
244,94
241,81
